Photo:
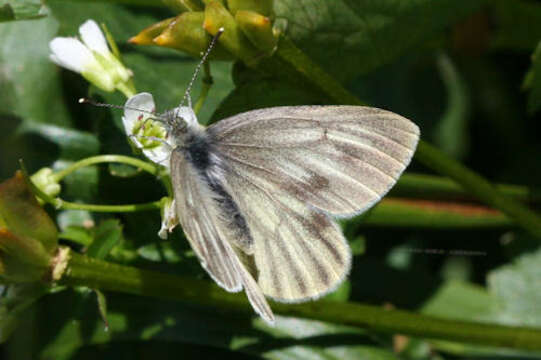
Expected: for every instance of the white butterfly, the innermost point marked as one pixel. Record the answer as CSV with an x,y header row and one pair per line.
x,y
256,193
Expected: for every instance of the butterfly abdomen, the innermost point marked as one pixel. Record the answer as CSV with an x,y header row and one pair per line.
x,y
199,151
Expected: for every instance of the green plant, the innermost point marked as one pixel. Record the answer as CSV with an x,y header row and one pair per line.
x,y
457,255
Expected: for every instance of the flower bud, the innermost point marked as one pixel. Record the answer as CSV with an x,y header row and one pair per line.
x,y
233,39
186,33
263,7
46,182
92,58
258,29
183,5
147,35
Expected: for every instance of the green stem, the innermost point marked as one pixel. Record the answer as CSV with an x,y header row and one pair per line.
x,y
402,213
62,204
426,154
93,160
153,3
98,274
478,186
207,84
442,188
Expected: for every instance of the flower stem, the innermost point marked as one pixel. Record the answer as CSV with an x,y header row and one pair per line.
x,y
426,214
207,84
62,204
478,186
426,154
424,186
93,160
98,274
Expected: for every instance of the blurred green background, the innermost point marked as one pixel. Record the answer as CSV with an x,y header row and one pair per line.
x,y
464,71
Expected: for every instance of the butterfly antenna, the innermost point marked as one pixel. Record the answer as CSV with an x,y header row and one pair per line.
x,y
112,106
198,68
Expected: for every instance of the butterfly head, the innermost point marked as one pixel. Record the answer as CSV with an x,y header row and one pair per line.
x,y
180,122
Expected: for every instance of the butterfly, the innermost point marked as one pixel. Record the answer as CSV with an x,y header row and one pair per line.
x,y
257,193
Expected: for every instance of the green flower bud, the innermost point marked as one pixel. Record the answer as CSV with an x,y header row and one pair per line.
x,y
183,5
46,182
258,29
233,39
147,35
186,33
263,7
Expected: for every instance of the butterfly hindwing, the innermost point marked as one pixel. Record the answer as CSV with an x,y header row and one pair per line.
x,y
208,233
299,252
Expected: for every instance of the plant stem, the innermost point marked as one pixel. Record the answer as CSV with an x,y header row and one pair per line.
x,y
62,204
98,274
478,186
207,84
154,3
93,160
424,186
408,213
426,154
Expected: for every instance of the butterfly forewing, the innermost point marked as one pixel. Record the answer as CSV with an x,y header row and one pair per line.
x,y
340,159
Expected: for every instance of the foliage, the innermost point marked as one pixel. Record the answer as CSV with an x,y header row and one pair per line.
x,y
454,68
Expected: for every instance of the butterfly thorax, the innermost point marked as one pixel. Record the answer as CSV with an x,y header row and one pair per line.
x,y
182,125
199,150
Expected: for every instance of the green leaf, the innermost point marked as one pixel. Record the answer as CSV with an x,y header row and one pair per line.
x,y
513,298
20,10
102,307
140,319
160,252
258,93
73,144
28,77
517,24
517,288
534,81
460,300
15,299
366,34
22,216
77,234
451,133
106,236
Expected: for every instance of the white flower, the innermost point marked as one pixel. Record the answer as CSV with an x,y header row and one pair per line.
x,y
148,134
92,58
169,218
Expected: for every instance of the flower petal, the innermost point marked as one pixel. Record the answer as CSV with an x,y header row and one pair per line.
x,y
169,218
70,53
142,101
93,37
137,110
160,155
